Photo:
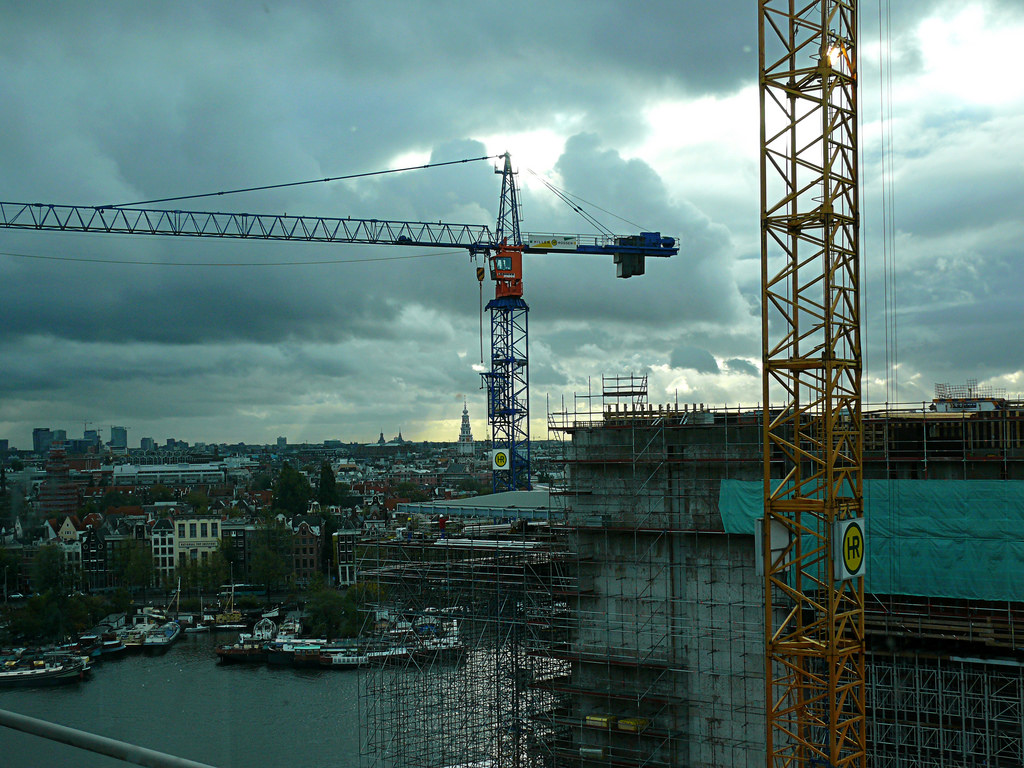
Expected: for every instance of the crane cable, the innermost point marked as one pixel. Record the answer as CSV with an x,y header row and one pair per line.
x,y
568,198
298,183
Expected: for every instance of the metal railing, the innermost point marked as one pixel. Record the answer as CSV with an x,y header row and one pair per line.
x,y
120,750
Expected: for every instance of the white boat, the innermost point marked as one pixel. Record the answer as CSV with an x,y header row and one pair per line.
x,y
160,639
134,636
345,657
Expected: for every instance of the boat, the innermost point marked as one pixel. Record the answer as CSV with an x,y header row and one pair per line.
x,y
134,636
307,653
281,652
249,648
89,645
291,629
343,657
380,653
196,628
33,671
439,641
162,638
244,651
111,646
229,618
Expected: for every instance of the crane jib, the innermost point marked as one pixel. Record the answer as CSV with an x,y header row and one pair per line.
x,y
477,239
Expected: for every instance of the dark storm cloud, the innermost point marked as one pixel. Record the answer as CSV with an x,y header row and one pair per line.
x,y
741,367
694,358
118,102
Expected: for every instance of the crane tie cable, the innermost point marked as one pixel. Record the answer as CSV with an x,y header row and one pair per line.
x,y
298,183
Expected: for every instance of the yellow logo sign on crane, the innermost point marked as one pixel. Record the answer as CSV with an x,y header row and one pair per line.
x,y
499,459
849,546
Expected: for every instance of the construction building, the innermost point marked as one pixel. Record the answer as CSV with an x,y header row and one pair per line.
x,y
58,495
632,632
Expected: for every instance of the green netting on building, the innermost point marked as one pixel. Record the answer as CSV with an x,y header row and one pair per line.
x,y
939,538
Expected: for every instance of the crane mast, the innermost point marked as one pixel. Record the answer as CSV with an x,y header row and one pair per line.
x,y
813,533
508,381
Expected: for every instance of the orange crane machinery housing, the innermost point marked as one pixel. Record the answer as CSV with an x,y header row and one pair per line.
x,y
813,529
507,382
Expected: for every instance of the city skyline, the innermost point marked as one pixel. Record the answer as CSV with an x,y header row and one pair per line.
x,y
648,115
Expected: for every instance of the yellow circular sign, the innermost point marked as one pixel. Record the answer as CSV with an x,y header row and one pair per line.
x,y
500,459
853,548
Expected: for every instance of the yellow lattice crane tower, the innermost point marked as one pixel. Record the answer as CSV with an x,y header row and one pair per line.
x,y
813,530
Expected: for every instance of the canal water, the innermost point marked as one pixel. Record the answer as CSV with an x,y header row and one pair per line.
x,y
186,704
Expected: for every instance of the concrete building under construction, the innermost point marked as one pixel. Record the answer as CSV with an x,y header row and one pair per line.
x,y
632,631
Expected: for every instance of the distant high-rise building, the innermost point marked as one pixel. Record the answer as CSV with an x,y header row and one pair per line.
x,y
147,444
466,445
60,436
5,446
119,438
92,436
42,439
282,442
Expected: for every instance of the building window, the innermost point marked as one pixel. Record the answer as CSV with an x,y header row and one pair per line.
x,y
202,530
191,530
181,530
213,530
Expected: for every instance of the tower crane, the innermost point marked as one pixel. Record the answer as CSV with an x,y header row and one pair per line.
x,y
813,527
507,382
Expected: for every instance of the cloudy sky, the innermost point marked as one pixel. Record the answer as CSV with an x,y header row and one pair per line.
x,y
647,111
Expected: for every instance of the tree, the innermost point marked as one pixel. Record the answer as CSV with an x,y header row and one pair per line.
x,y
262,482
161,493
136,565
199,501
327,529
113,499
48,571
327,492
268,566
408,490
292,491
271,557
214,571
469,485
331,614
10,564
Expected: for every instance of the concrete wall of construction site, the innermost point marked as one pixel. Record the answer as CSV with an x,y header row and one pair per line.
x,y
938,538
669,606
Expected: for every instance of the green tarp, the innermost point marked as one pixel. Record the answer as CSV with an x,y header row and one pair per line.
x,y
939,538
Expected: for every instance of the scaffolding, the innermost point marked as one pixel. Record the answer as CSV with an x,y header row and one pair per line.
x,y
455,680
629,632
664,649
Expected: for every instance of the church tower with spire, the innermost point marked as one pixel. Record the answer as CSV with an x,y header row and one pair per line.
x,y
466,445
